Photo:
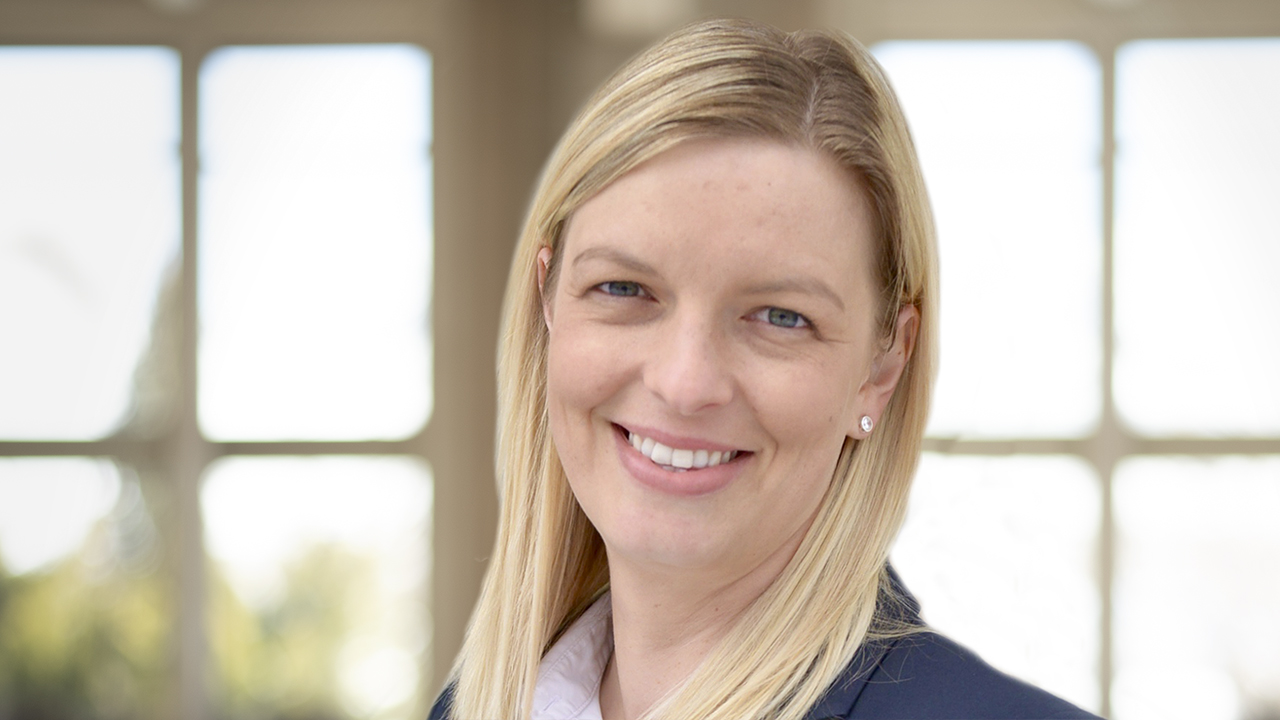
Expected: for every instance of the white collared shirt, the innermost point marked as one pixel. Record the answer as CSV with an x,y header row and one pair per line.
x,y
569,676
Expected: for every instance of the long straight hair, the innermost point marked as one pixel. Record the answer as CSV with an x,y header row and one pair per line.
x,y
808,89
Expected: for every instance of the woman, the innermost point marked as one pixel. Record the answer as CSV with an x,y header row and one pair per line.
x,y
718,347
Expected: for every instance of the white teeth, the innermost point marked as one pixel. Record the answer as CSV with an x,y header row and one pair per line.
x,y
682,458
678,459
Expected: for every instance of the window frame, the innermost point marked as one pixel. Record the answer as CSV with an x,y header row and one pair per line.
x,y
508,77
182,450
1104,27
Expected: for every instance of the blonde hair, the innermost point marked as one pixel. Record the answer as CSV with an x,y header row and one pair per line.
x,y
713,79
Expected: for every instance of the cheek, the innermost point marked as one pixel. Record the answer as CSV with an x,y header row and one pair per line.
x,y
808,404
807,417
583,373
581,377
577,367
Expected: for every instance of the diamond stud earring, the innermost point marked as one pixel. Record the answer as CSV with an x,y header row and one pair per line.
x,y
866,423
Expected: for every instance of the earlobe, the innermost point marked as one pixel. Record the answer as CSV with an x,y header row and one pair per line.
x,y
886,370
543,265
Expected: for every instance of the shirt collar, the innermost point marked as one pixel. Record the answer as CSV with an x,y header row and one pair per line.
x,y
569,676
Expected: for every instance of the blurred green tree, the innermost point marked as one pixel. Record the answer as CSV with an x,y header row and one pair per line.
x,y
92,636
280,660
88,637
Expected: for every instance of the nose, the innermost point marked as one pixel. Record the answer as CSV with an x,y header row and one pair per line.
x,y
687,366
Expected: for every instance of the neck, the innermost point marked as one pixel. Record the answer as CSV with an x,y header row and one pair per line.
x,y
666,622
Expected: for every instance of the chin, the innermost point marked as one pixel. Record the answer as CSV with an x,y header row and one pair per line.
x,y
673,546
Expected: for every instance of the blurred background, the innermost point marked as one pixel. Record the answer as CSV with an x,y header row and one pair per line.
x,y
251,259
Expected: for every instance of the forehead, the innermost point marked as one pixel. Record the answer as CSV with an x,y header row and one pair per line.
x,y
769,206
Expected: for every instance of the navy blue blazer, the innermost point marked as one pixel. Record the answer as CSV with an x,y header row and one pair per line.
x,y
923,676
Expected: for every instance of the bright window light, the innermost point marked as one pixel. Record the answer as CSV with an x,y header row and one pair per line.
x,y
1008,135
315,242
1197,237
1001,553
49,506
89,225
1197,635
319,596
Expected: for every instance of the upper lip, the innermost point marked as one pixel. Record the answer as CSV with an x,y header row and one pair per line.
x,y
678,442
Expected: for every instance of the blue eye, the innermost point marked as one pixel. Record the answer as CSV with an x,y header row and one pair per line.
x,y
785,318
621,288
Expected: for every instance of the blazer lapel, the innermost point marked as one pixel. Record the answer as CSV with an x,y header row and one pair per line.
x,y
899,605
838,702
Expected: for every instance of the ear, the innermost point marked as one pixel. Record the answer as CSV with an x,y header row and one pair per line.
x,y
543,264
886,371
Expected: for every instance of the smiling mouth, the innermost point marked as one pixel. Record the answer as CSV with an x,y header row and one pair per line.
x,y
677,459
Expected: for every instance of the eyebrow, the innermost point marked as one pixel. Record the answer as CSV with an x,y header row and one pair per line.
x,y
614,255
806,286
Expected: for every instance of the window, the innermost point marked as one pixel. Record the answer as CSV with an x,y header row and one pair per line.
x,y
90,221
1090,515
297,470
315,252
1130,514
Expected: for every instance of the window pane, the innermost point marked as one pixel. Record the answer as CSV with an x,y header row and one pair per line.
x,y
1001,554
318,603
1008,136
89,222
315,246
85,611
1197,631
1197,237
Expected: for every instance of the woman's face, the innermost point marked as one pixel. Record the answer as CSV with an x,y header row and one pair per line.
x,y
712,344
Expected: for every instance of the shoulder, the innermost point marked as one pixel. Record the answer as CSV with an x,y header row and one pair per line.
x,y
440,708
926,675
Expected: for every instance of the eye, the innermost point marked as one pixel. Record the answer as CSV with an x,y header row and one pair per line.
x,y
783,318
621,288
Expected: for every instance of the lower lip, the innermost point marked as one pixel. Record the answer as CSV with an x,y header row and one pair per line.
x,y
691,482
